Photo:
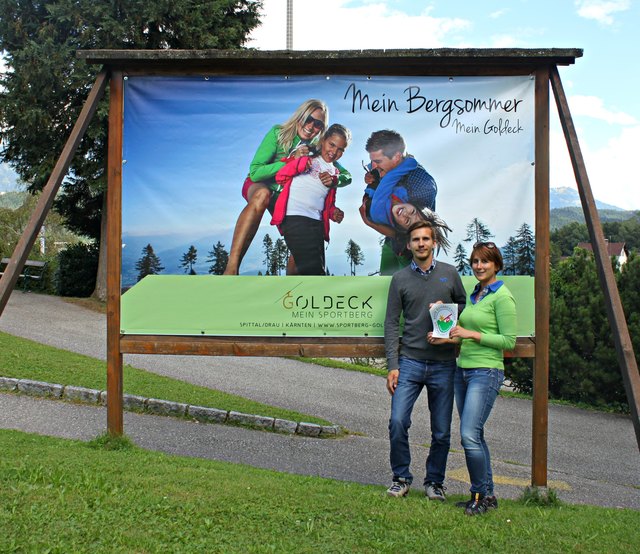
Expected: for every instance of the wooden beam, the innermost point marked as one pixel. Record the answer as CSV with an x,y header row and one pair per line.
x,y
540,418
115,417
615,313
45,201
329,347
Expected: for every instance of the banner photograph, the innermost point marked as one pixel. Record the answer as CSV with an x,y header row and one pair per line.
x,y
272,176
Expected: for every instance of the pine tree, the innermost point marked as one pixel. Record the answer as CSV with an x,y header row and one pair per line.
x,y
510,257
525,246
218,257
279,257
149,263
477,231
189,259
461,260
354,255
267,248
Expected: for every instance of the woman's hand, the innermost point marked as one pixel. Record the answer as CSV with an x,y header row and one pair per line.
x,y
462,333
326,178
369,178
302,150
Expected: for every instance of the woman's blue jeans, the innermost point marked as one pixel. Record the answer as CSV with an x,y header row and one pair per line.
x,y
438,378
476,391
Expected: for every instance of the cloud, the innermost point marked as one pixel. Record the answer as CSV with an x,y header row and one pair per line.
x,y
497,14
601,10
504,41
339,27
592,106
611,169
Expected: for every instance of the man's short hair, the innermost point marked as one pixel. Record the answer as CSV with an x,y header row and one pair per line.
x,y
390,142
421,225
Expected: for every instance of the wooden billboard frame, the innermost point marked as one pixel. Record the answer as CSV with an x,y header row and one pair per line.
x,y
542,63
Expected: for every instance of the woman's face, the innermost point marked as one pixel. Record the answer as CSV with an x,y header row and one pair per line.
x,y
332,148
405,215
485,271
313,125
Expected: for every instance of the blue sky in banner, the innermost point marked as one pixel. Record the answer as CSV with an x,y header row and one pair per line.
x,y
602,86
188,143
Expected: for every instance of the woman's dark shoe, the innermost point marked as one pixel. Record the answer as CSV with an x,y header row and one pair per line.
x,y
477,505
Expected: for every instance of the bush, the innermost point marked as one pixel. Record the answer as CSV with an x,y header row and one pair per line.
x,y
77,268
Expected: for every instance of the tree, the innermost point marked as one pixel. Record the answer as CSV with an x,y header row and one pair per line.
x,y
46,85
477,231
267,248
279,257
583,365
354,255
525,251
218,257
149,263
461,260
188,260
510,257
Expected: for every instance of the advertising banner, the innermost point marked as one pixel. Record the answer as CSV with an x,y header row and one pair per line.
x,y
189,144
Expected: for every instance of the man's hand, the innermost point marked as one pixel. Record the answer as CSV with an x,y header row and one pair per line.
x,y
392,380
338,215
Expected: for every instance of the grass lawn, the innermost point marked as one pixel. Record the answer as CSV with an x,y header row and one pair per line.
x,y
63,496
24,359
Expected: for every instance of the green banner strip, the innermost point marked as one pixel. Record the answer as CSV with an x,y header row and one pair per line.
x,y
275,306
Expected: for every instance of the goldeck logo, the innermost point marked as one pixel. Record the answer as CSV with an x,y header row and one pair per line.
x,y
326,302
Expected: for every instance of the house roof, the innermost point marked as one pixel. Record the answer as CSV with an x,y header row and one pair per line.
x,y
613,248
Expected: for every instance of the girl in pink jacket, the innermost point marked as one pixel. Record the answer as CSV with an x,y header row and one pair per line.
x,y
306,203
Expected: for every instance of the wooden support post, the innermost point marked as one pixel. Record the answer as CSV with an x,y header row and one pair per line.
x,y
540,419
615,313
29,235
115,418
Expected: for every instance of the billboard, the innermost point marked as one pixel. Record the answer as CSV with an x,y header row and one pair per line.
x,y
189,143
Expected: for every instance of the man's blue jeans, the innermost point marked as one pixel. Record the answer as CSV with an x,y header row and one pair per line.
x,y
476,391
438,378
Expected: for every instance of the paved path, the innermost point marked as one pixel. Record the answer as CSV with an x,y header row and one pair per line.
x,y
593,457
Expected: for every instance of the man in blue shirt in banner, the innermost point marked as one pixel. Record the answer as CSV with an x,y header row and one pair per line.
x,y
398,188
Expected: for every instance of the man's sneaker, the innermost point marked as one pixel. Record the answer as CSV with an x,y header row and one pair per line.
x,y
398,488
477,505
435,491
491,502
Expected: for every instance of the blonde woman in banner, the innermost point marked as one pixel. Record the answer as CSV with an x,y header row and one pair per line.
x,y
486,328
292,139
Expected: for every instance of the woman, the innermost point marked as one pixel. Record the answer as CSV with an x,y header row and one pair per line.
x,y
292,139
486,327
307,202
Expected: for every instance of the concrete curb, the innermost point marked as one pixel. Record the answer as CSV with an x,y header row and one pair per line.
x,y
156,406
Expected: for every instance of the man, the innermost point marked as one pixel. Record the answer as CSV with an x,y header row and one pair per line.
x,y
398,187
413,363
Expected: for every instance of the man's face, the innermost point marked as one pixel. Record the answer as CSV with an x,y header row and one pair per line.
x,y
421,244
382,163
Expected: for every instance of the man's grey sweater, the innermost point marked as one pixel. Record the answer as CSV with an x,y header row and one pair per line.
x,y
410,294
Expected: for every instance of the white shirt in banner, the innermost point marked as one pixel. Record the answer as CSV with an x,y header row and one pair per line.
x,y
307,193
